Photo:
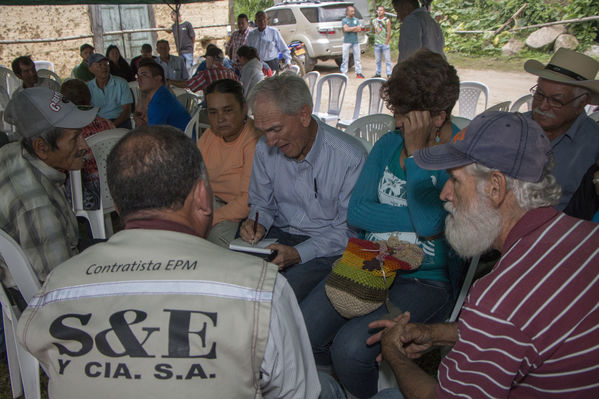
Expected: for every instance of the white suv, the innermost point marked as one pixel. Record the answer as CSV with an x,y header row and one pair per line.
x,y
317,25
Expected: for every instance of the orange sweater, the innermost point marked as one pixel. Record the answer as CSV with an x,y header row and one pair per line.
x,y
229,168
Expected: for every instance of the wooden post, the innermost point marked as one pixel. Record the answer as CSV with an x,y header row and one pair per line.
x,y
513,17
97,29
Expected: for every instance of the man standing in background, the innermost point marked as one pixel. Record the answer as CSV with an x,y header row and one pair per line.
x,y
351,27
238,38
269,42
382,35
418,29
184,38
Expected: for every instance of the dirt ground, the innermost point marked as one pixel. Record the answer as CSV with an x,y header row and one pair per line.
x,y
503,86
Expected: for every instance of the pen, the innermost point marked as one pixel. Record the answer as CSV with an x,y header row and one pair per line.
x,y
255,227
315,189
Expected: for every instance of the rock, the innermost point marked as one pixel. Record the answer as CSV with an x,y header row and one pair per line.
x,y
512,47
593,51
543,37
565,41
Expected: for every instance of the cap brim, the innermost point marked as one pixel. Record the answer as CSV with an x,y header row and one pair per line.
x,y
77,119
440,157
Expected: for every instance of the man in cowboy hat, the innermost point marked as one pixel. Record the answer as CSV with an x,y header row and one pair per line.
x,y
565,86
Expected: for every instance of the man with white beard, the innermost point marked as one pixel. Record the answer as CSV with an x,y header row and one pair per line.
x,y
528,328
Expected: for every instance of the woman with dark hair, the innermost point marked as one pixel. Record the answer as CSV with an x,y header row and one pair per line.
x,y
118,65
228,150
393,197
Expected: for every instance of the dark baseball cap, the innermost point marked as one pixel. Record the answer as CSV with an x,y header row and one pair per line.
x,y
507,141
95,57
84,46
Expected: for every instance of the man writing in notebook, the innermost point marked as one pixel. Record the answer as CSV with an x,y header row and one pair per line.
x,y
302,177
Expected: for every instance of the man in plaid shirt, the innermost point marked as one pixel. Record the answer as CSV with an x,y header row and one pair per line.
x,y
34,210
215,70
238,38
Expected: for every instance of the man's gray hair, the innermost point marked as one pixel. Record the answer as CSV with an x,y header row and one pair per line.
x,y
528,195
579,91
50,136
287,90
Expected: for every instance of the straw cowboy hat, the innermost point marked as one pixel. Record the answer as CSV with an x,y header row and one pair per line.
x,y
569,67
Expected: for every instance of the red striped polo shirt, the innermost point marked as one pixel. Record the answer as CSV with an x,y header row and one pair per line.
x,y
530,328
204,78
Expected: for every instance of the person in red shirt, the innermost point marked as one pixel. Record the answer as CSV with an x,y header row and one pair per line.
x,y
215,70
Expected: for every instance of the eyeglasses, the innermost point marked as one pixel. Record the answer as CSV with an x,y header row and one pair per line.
x,y
552,101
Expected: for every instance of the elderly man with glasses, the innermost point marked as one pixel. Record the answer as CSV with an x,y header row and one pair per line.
x,y
565,86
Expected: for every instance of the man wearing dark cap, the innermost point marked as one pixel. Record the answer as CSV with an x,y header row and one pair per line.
x,y
565,86
215,70
81,71
34,210
146,53
528,328
111,94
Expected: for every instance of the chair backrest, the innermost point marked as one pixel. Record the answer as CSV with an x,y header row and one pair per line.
x,y
101,144
502,106
41,64
375,102
190,101
19,266
295,69
336,83
469,95
459,121
371,127
8,80
468,279
46,73
134,86
194,128
524,100
595,116
311,78
23,368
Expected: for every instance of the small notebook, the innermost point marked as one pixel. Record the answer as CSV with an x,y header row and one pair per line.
x,y
259,248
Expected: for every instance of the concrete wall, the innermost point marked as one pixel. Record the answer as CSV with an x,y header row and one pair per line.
x,y
36,22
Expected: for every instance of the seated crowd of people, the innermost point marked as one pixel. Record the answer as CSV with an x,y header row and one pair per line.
x,y
164,307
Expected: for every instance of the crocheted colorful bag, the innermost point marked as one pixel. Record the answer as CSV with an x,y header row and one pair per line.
x,y
360,279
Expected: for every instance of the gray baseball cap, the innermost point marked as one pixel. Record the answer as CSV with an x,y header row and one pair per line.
x,y
95,57
37,109
507,141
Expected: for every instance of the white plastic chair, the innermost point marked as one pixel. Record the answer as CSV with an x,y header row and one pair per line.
x,y
19,266
502,106
336,83
23,368
459,121
295,69
195,124
190,100
469,95
310,78
46,73
375,102
8,80
41,64
524,100
371,127
99,220
134,86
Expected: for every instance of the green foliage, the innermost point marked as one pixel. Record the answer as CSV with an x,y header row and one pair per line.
x,y
251,7
457,15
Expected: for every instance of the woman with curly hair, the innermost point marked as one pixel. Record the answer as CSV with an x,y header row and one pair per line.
x,y
394,197
118,65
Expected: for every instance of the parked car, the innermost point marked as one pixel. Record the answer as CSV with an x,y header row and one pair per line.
x,y
317,25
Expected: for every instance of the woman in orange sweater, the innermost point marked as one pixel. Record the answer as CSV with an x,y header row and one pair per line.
x,y
228,150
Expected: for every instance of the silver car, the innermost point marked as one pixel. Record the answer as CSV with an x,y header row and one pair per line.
x,y
318,26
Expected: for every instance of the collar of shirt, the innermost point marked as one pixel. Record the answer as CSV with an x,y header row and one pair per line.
x,y
52,174
159,224
573,130
315,151
527,224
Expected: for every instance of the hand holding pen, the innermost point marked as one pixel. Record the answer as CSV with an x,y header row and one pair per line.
x,y
252,231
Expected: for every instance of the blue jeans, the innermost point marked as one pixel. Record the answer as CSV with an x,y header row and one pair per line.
x,y
302,277
355,47
342,342
379,50
188,57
